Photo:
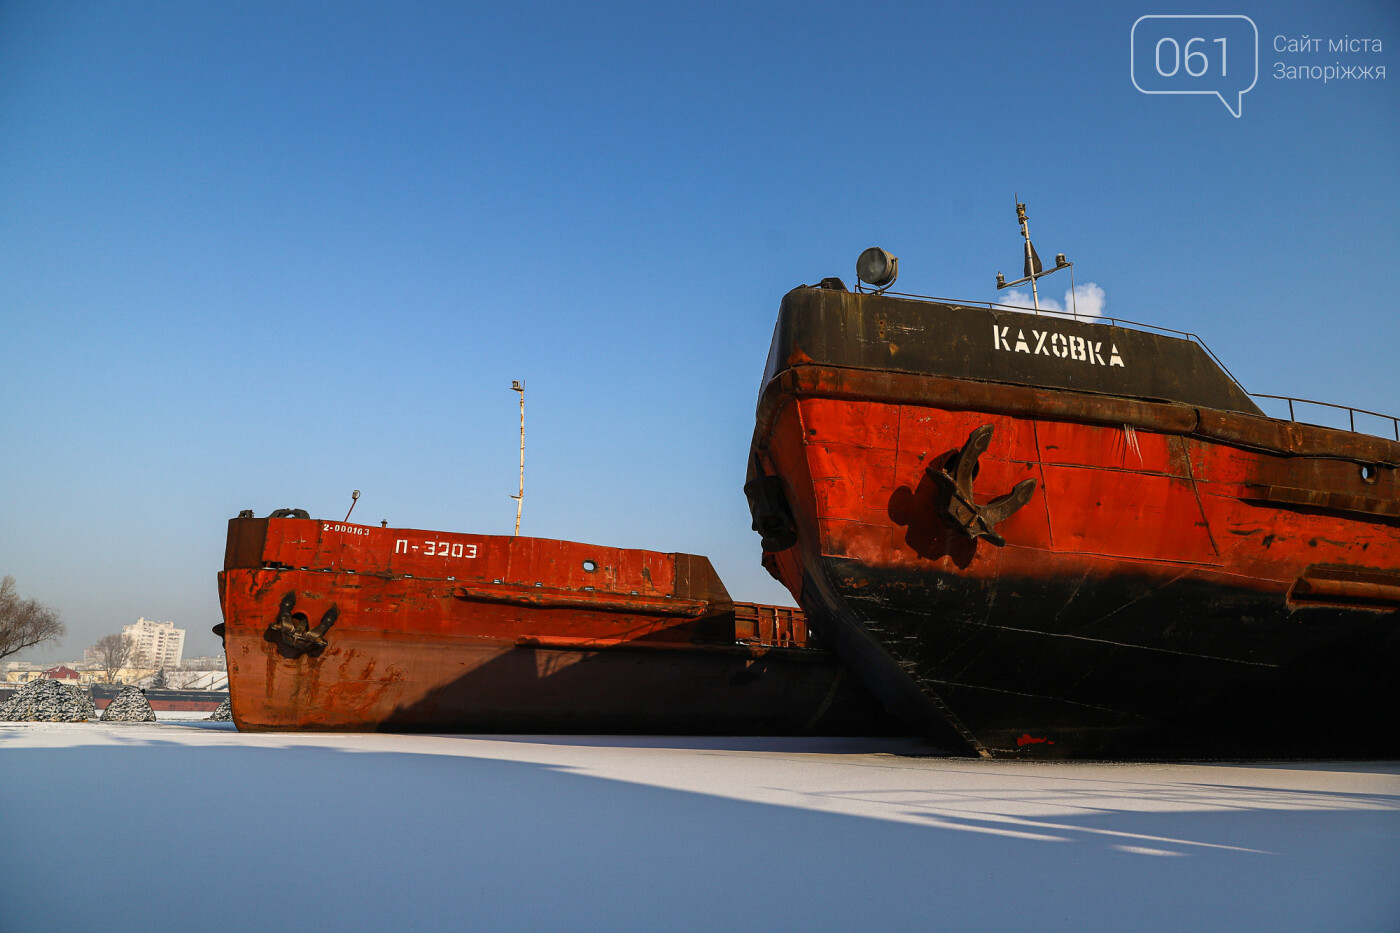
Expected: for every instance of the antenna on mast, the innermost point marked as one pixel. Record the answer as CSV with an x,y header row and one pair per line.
x,y
518,386
1033,268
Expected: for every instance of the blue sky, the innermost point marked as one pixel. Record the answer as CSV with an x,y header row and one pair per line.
x,y
257,255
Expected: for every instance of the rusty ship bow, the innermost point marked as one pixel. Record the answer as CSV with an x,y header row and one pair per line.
x,y
338,626
1038,536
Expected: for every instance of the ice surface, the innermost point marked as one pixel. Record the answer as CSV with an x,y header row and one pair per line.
x,y
191,824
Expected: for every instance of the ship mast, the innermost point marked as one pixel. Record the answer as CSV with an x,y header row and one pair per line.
x,y
1032,260
1033,268
517,386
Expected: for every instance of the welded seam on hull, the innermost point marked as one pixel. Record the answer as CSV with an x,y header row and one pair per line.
x,y
1065,464
909,666
1187,565
972,623
855,628
1207,424
1196,491
981,647
1074,593
1121,644
1137,599
1040,470
956,722
1032,696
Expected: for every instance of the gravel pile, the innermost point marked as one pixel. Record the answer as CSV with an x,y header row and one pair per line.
x,y
130,705
48,701
223,714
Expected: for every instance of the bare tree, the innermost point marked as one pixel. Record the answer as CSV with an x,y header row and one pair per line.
x,y
25,623
114,652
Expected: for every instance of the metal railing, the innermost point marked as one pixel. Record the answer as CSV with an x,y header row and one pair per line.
x,y
1351,412
1047,312
1083,319
1118,322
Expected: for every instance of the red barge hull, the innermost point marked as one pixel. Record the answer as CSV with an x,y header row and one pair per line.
x,y
1135,562
164,700
334,626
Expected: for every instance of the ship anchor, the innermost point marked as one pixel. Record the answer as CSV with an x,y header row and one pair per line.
x,y
291,628
962,511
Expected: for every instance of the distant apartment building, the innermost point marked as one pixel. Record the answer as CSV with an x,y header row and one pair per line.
x,y
158,644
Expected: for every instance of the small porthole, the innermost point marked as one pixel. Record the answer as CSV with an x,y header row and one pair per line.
x,y
590,566
1368,473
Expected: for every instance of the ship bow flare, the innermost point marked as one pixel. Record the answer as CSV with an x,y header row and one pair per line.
x,y
1038,536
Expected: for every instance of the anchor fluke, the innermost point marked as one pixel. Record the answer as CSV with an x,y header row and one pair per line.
x,y
961,510
292,630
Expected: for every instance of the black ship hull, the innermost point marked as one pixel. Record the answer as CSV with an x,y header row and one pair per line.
x,y
1196,670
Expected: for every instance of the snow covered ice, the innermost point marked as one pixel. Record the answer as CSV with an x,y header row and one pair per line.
x,y
230,831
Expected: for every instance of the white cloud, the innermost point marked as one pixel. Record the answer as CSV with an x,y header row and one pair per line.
x,y
1086,301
